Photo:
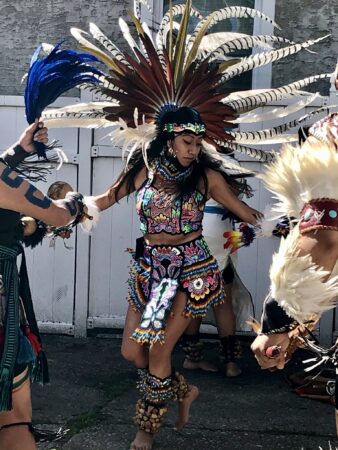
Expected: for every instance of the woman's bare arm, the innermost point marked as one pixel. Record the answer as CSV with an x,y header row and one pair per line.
x,y
220,191
109,198
19,195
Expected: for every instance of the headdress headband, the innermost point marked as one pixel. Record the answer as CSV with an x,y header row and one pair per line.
x,y
196,128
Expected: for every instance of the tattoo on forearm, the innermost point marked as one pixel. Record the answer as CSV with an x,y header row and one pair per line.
x,y
14,181
43,203
11,178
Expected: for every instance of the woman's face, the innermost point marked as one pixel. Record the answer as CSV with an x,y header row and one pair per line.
x,y
187,148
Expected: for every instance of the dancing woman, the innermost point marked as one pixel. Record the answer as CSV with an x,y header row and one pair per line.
x,y
173,278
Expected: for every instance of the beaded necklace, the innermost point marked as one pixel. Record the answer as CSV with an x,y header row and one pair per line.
x,y
171,170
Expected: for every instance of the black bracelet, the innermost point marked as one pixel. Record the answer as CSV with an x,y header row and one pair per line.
x,y
14,156
75,205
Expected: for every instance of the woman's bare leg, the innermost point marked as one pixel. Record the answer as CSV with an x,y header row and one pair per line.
x,y
224,314
160,366
200,363
132,351
18,437
137,354
160,355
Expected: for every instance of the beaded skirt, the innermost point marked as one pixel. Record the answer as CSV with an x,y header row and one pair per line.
x,y
159,272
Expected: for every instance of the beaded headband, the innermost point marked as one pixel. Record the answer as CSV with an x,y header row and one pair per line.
x,y
196,128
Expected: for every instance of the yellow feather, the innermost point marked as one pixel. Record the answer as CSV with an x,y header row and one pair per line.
x,y
227,64
137,23
181,43
193,52
171,21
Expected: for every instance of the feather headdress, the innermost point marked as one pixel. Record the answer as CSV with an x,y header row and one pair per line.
x,y
177,69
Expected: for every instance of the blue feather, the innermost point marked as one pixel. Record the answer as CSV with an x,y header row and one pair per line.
x,y
50,77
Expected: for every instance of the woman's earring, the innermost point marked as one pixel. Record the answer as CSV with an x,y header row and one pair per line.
x,y
171,152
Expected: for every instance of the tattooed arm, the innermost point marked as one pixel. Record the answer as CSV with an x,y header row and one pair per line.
x,y
19,195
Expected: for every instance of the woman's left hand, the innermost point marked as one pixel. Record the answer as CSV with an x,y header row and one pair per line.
x,y
253,216
35,132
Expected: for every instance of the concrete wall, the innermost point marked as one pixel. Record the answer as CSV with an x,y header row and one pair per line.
x,y
302,20
25,24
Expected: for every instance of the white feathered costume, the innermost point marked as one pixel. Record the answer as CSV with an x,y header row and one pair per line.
x,y
298,176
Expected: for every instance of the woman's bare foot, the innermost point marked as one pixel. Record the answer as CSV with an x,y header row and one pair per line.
x,y
184,407
202,364
232,370
142,441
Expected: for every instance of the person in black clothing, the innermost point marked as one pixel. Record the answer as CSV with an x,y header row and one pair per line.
x,y
21,355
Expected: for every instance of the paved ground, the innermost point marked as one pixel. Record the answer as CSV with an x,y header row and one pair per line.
x,y
92,393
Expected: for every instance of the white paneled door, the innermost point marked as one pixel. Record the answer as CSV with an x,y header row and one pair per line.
x,y
51,269
85,286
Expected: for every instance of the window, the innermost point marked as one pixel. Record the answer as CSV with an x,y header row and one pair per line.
x,y
258,78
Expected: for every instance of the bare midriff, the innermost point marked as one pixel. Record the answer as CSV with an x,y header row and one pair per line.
x,y
170,239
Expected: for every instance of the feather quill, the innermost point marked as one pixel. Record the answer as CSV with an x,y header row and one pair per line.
x,y
108,45
261,59
263,136
227,13
247,102
278,112
244,43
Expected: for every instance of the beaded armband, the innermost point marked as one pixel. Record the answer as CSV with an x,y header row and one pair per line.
x,y
274,319
74,202
283,329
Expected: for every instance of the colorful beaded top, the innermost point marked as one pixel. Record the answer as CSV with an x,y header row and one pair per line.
x,y
170,212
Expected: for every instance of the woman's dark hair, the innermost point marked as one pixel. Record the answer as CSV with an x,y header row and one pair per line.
x,y
182,116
